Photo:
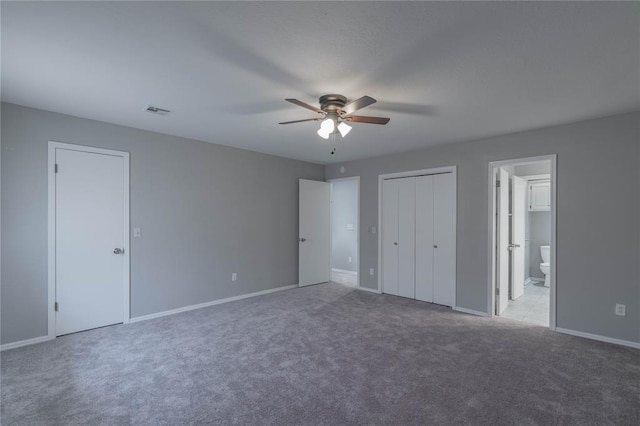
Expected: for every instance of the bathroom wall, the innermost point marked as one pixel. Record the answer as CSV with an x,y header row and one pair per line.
x,y
539,235
344,225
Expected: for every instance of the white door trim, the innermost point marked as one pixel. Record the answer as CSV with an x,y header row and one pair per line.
x,y
553,158
411,173
51,223
357,179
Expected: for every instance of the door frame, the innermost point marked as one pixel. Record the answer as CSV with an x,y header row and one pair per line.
x,y
413,173
51,224
491,240
357,179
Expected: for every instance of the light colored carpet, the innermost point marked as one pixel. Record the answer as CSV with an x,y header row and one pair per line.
x,y
325,354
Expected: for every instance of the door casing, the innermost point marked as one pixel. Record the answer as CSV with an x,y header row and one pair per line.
x,y
491,240
51,225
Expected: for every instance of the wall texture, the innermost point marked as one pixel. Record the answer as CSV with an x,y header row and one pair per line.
x,y
598,225
205,211
344,211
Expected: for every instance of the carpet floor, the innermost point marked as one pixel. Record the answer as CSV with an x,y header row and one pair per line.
x,y
326,354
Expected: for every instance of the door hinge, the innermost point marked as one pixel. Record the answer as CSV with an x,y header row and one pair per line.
x,y
497,183
55,306
56,168
497,291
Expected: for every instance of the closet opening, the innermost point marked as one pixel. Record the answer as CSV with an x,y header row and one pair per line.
x,y
345,230
417,235
522,240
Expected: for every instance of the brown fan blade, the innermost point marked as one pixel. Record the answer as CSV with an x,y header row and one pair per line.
x,y
370,120
304,105
301,121
358,104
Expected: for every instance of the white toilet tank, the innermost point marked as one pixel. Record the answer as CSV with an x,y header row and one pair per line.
x,y
544,253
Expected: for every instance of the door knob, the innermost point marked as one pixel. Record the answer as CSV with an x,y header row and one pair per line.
x,y
395,244
435,246
118,251
302,240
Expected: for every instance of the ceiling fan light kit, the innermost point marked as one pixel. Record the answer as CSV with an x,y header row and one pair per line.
x,y
335,112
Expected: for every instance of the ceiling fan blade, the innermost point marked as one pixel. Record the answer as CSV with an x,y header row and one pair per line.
x,y
304,105
364,119
358,104
301,121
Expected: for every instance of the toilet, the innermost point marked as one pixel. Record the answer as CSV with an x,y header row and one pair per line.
x,y
544,266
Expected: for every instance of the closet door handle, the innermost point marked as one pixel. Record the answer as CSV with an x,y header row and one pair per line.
x,y
435,246
395,244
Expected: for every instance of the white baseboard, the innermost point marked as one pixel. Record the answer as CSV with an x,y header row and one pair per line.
x,y
535,280
212,303
606,339
344,271
370,290
27,342
470,311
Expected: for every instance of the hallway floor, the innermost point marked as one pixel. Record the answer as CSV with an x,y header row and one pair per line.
x,y
532,307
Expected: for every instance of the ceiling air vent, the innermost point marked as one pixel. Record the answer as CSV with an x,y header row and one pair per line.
x,y
157,110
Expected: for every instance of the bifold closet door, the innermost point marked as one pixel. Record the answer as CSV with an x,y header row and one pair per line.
x,y
424,238
390,236
406,237
444,256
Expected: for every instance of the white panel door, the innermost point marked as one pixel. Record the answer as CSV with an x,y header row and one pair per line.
x,y
89,226
390,236
444,252
518,212
406,237
314,247
502,238
424,238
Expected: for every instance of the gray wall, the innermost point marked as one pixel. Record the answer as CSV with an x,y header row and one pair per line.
x,y
539,235
597,226
542,168
344,211
205,211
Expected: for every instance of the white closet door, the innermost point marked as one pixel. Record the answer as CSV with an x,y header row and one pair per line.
x,y
424,238
390,236
444,257
407,237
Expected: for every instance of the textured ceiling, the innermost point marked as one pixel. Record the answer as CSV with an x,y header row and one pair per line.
x,y
443,71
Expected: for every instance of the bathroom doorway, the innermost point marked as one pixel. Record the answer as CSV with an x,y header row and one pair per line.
x,y
345,213
522,240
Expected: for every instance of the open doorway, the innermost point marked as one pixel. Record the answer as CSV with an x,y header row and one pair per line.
x,y
523,240
345,213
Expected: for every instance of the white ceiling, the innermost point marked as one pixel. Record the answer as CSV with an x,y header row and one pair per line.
x,y
443,71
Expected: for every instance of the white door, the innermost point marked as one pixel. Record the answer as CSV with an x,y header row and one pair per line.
x,y
502,249
518,212
89,226
424,238
314,232
406,237
444,252
390,236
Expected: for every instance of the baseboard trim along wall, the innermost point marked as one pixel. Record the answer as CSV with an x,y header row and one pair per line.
x,y
628,343
344,271
27,342
470,311
212,303
370,290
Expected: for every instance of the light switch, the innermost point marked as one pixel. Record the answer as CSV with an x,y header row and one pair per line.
x,y
137,232
350,227
373,230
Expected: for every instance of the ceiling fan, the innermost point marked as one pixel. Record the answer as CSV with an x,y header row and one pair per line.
x,y
335,113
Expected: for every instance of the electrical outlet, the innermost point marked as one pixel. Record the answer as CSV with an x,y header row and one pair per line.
x,y
349,259
621,309
234,276
371,271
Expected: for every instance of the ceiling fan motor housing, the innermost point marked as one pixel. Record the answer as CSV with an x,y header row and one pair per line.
x,y
332,103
